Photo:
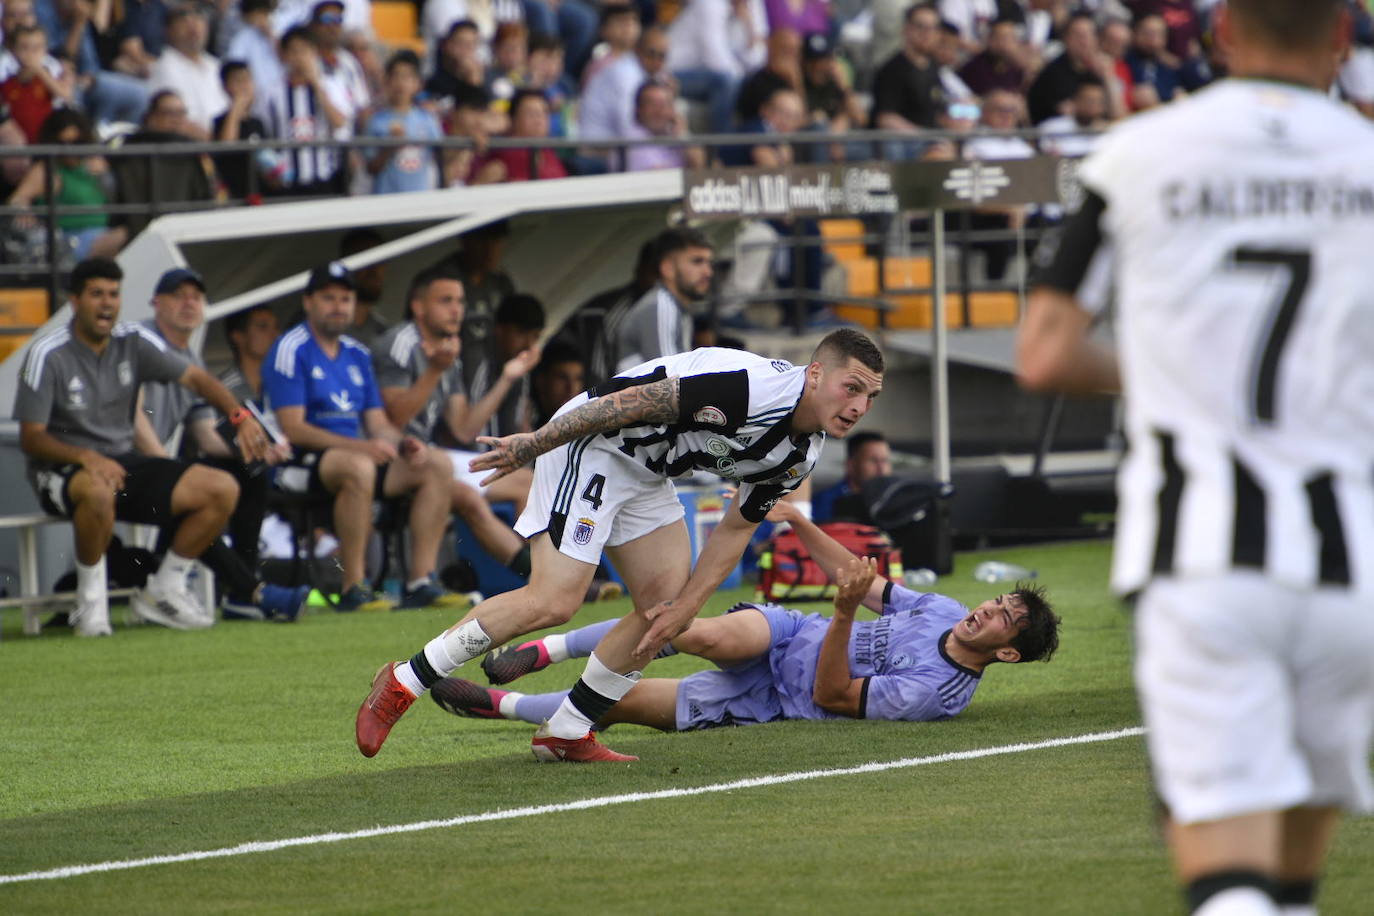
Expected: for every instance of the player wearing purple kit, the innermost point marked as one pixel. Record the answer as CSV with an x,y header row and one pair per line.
x,y
920,661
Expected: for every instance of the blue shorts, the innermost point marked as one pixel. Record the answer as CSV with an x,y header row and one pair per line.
x,y
741,695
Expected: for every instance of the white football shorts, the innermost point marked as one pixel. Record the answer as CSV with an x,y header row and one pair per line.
x,y
1256,696
588,496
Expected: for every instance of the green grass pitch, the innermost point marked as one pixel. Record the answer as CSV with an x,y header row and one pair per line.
x,y
161,743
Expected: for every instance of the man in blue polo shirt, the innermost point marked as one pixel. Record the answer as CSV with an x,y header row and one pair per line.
x,y
319,383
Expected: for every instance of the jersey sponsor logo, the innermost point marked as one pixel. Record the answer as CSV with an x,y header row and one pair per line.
x,y
317,373
713,415
781,365
582,532
355,376
342,400
718,447
126,373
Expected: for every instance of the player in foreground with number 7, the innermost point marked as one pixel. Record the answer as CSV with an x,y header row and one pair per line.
x,y
1239,221
605,483
920,661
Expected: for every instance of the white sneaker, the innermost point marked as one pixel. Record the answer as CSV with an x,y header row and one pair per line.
x,y
176,608
92,620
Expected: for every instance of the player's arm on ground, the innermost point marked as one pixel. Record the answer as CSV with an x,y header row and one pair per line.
x,y
830,555
654,402
1053,349
719,556
835,689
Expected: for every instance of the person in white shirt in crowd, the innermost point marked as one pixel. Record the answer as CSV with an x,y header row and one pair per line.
x,y
712,45
337,64
256,46
606,105
192,72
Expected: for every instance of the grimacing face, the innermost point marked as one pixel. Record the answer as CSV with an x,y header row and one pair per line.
x,y
841,394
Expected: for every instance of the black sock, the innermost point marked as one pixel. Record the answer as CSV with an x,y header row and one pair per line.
x,y
424,670
1296,893
520,563
1203,889
588,702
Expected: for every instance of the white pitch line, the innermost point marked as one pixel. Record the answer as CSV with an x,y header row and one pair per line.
x,y
74,871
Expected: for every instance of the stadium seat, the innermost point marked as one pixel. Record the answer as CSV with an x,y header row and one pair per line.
x,y
993,309
11,343
23,308
843,238
397,25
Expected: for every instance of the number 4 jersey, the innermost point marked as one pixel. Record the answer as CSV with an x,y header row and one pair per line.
x,y
1237,231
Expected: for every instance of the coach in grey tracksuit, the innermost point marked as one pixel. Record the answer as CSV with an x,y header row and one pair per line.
x,y
660,323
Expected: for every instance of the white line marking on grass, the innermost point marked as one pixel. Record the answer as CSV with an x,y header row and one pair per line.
x,y
74,871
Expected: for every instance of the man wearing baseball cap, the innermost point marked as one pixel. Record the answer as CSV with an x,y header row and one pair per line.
x,y
166,408
319,383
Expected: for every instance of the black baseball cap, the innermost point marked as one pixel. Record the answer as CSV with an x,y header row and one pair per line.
x,y
331,274
170,281
817,46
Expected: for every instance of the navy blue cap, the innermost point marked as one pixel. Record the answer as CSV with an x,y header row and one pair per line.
x,y
817,46
331,274
171,281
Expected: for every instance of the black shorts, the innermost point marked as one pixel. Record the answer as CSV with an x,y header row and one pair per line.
x,y
145,499
302,475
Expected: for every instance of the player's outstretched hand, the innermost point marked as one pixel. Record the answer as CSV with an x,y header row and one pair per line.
x,y
854,580
667,620
507,454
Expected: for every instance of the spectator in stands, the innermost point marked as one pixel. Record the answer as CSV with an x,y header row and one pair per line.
x,y
403,168
1001,110
181,177
1052,89
420,376
33,91
458,63
79,28
509,55
807,17
782,70
305,106
529,117
830,99
469,117
867,456
187,68
1114,38
660,323
256,46
486,16
1000,65
907,93
357,15
338,66
619,34
544,70
167,410
237,123
560,376
81,460
594,326
949,56
712,44
1183,23
656,115
1149,59
1074,134
319,383
77,181
607,104
485,285
783,112
971,20
142,37
370,283
250,334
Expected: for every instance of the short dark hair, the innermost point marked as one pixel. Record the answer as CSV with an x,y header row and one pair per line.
x,y
556,352
540,41
403,58
461,25
422,281
238,323
611,10
524,95
252,6
915,8
1040,636
646,86
61,119
522,310
859,440
466,95
671,241
94,269
297,33
1285,23
228,69
156,99
847,343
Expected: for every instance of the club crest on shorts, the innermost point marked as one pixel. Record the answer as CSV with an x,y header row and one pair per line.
x,y
713,415
582,532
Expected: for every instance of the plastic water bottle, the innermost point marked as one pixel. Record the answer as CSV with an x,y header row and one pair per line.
x,y
919,578
995,571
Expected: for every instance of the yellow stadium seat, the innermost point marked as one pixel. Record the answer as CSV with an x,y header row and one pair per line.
x,y
23,308
397,24
993,310
842,238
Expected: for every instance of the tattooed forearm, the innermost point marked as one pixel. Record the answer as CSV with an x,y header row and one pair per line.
x,y
656,402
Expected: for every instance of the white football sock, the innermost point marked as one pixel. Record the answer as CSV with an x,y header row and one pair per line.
x,y
557,647
571,722
1238,901
91,589
172,574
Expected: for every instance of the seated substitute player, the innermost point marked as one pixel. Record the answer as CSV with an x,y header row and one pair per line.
x,y
250,335
165,408
319,383
75,407
421,379
604,482
921,661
